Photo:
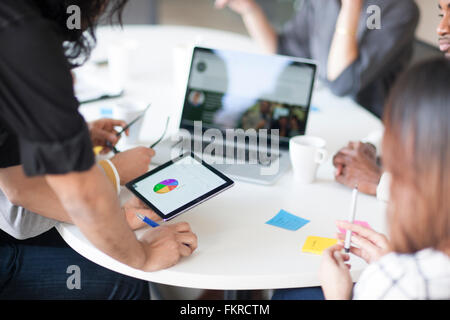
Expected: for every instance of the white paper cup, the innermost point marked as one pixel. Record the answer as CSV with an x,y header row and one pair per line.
x,y
306,154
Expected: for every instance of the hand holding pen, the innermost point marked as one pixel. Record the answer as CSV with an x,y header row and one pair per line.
x,y
126,129
103,133
371,245
114,149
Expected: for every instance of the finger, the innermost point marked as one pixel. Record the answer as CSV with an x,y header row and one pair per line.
x,y
339,169
188,239
351,153
105,150
105,136
343,178
182,227
117,123
329,252
340,236
365,245
352,144
185,250
341,259
356,251
340,158
364,232
149,214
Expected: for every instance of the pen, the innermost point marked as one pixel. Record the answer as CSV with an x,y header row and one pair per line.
x,y
134,121
163,135
147,220
348,234
118,134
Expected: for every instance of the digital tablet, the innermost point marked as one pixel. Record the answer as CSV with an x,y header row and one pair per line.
x,y
179,185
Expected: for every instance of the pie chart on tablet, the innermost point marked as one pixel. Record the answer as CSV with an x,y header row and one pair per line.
x,y
165,186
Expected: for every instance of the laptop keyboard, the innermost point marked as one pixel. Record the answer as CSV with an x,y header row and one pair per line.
x,y
237,153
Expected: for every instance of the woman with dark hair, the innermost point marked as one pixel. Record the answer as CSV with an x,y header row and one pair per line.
x,y
415,262
48,170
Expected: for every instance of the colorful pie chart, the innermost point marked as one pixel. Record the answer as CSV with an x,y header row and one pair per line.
x,y
165,186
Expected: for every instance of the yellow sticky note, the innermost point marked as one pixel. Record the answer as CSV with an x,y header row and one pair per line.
x,y
316,245
97,150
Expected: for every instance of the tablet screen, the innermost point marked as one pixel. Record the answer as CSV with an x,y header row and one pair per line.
x,y
178,185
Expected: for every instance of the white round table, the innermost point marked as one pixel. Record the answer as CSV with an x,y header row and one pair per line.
x,y
236,248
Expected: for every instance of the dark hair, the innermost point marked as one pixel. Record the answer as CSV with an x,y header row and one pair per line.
x,y
416,151
79,42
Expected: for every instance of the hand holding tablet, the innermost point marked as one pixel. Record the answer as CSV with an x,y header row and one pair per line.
x,y
179,185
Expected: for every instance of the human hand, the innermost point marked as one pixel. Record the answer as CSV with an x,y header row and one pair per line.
x,y
334,274
166,245
102,131
356,164
242,7
371,244
132,163
135,205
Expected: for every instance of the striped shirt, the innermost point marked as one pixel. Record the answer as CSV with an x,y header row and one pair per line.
x,y
424,275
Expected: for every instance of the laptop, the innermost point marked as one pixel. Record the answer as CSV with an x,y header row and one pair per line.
x,y
240,110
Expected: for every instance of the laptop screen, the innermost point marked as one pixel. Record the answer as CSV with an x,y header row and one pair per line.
x,y
230,89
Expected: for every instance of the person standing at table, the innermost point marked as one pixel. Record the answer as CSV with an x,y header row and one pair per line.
x,y
357,163
353,59
42,131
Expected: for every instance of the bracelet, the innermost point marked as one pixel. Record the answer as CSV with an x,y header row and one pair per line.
x,y
111,173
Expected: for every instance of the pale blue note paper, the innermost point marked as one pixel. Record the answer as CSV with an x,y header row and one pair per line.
x,y
287,221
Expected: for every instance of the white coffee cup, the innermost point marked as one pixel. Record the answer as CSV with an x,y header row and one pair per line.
x,y
127,111
306,154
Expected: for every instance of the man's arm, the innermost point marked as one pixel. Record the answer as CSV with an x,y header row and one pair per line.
x,y
344,47
31,193
90,201
92,204
379,50
256,22
35,195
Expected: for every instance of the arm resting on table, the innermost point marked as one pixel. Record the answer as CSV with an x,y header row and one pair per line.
x,y
91,203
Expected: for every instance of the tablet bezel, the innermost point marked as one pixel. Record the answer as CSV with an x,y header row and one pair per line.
x,y
228,183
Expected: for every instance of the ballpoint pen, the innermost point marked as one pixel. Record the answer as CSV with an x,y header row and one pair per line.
x,y
163,135
118,134
348,234
147,220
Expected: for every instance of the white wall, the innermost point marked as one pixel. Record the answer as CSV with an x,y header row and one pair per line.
x,y
429,20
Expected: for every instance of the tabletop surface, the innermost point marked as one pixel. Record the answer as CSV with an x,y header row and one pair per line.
x,y
236,248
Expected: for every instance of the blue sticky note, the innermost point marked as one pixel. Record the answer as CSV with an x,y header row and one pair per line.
x,y
287,221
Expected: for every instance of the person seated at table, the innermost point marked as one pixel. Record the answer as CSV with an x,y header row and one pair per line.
x,y
357,163
353,59
414,262
47,166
